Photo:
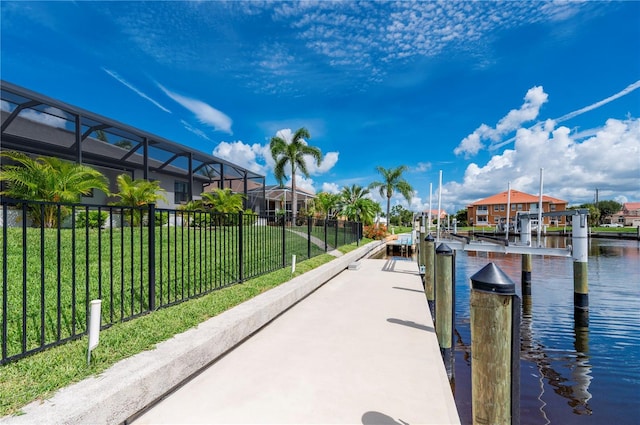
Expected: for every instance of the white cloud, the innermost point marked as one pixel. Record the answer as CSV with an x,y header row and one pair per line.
x,y
134,89
205,113
421,167
331,187
242,154
584,133
573,169
304,184
529,111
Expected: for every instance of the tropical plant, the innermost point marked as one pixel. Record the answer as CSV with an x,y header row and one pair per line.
x,y
137,194
326,204
48,179
223,201
594,213
293,154
392,181
220,206
355,206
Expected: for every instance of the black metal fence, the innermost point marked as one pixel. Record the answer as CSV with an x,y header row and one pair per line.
x,y
56,258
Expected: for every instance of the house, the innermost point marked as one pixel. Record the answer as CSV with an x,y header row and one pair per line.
x,y
434,214
279,198
41,126
492,211
629,215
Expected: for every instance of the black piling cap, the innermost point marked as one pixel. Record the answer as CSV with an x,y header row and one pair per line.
x,y
491,279
429,238
443,249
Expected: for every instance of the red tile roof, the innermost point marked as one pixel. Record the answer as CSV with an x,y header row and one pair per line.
x,y
517,197
630,206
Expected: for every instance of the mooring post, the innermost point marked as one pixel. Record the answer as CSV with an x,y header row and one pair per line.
x,y
525,239
526,275
429,273
495,348
580,244
444,304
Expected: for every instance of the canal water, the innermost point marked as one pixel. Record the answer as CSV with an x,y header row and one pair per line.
x,y
568,376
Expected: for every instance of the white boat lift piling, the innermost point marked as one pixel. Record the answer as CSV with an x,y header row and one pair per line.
x,y
578,250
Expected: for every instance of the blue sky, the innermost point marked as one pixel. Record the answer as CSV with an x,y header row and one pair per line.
x,y
486,92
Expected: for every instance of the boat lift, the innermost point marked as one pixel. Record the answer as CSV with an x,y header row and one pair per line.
x,y
524,245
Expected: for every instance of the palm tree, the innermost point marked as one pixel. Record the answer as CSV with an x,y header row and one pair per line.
x,y
392,181
355,206
326,204
223,201
138,193
49,179
293,154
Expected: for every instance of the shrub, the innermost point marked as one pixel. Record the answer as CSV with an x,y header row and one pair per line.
x,y
161,218
372,232
97,219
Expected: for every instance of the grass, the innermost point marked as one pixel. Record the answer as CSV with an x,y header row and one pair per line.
x,y
40,375
52,284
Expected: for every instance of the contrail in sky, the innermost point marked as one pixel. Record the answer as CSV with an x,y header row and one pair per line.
x,y
624,92
130,86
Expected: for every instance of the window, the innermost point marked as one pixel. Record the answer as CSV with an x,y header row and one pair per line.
x,y
513,207
180,192
495,208
496,219
552,207
502,207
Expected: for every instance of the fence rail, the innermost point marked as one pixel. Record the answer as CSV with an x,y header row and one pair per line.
x,y
56,258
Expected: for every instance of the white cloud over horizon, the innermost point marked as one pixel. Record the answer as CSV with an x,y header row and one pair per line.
x,y
573,169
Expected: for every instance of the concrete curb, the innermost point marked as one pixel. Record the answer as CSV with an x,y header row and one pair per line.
x,y
134,383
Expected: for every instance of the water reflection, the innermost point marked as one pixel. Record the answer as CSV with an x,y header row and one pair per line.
x,y
565,353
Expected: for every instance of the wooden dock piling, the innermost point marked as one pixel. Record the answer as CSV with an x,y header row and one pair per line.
x,y
444,304
495,348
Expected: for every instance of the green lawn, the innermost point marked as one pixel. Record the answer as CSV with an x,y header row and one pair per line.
x,y
62,271
40,375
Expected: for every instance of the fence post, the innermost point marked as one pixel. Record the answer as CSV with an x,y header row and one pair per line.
x,y
326,245
240,247
495,348
444,304
429,273
308,237
284,239
152,257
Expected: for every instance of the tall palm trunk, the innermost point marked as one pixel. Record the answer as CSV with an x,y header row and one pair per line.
x,y
294,196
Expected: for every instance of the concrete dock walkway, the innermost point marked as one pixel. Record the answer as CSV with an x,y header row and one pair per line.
x,y
361,349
